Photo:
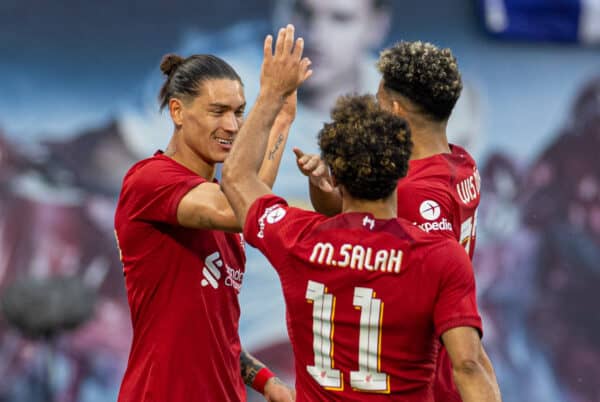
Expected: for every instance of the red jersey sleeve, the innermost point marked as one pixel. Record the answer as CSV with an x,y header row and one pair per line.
x,y
456,304
273,227
428,207
155,189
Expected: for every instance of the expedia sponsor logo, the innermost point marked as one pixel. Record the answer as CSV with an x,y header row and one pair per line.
x,y
436,226
430,210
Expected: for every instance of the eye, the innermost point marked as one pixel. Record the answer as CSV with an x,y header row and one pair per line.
x,y
303,11
342,18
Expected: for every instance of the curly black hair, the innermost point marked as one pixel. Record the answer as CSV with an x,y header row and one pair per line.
x,y
425,74
366,148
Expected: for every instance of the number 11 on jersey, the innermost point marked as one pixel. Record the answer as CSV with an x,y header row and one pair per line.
x,y
367,378
323,310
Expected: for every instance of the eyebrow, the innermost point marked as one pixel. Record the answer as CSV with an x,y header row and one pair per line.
x,y
225,106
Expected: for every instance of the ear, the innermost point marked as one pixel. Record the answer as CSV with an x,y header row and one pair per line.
x,y
398,109
176,111
379,27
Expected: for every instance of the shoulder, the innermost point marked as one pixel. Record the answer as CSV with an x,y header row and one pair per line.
x,y
272,213
461,161
445,253
436,170
157,170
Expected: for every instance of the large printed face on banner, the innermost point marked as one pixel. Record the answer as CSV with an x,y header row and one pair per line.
x,y
337,34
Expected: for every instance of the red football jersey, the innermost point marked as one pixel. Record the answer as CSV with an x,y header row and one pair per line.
x,y
441,194
182,287
366,299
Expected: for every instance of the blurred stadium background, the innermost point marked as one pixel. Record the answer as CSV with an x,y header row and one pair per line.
x,y
78,85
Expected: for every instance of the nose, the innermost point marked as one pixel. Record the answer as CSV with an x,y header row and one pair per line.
x,y
230,123
318,30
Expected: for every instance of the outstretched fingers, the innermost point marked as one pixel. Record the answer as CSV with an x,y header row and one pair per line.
x,y
305,70
284,68
280,40
268,48
288,42
298,48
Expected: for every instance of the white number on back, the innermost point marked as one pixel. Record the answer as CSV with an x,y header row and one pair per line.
x,y
367,378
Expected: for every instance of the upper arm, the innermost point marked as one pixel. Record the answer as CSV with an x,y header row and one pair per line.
x,y
430,208
206,207
275,228
241,192
456,304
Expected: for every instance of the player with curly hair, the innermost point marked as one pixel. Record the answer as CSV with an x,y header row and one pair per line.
x,y
421,83
367,294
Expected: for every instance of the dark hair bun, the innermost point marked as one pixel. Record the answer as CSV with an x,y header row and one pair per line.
x,y
170,62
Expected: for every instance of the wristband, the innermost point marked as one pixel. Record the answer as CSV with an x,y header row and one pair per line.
x,y
261,379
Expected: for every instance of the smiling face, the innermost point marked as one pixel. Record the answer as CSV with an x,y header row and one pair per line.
x,y
210,122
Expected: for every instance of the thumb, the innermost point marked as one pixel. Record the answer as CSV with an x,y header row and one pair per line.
x,y
298,152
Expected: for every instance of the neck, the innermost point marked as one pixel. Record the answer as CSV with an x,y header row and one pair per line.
x,y
322,97
384,208
428,138
185,156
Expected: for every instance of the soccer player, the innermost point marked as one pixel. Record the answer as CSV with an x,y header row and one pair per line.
x,y
421,83
367,294
183,264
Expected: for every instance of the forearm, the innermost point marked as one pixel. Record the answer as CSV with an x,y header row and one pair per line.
x,y
253,376
250,366
475,384
240,180
274,152
252,139
325,202
489,369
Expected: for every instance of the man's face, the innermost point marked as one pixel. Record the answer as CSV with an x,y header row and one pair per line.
x,y
212,120
336,34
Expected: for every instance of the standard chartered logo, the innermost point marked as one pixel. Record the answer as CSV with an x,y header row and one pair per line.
x,y
211,271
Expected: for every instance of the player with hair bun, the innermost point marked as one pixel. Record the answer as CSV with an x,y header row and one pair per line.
x,y
182,260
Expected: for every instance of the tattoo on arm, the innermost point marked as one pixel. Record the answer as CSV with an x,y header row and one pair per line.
x,y
273,151
250,366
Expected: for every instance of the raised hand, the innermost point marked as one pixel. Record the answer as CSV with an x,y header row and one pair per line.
x,y
313,166
283,69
